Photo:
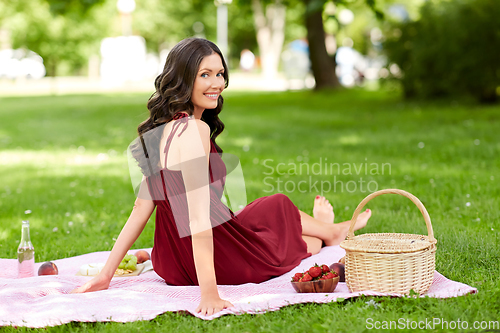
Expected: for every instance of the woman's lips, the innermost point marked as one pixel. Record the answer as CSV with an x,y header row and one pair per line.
x,y
212,96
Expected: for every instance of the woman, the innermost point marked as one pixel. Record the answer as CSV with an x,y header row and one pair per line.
x,y
198,240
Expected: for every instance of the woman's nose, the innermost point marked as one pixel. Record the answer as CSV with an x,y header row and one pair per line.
x,y
218,82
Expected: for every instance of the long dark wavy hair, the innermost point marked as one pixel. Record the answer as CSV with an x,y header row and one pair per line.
x,y
174,87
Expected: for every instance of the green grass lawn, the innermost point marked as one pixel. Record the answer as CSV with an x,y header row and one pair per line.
x,y
62,158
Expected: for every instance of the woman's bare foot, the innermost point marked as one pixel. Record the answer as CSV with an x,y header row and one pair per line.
x,y
362,220
340,229
323,210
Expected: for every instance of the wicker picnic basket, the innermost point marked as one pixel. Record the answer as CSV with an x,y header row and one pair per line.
x,y
390,262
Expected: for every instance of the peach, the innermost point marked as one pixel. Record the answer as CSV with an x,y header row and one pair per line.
x,y
142,256
339,269
48,268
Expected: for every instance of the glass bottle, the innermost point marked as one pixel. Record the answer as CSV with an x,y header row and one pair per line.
x,y
26,253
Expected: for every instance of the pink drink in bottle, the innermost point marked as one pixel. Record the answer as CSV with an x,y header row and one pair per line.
x,y
26,253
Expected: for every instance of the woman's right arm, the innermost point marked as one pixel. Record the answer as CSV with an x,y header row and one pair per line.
x,y
135,224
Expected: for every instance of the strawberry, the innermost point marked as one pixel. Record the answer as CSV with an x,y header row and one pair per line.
x,y
329,275
295,279
325,268
298,275
315,271
306,277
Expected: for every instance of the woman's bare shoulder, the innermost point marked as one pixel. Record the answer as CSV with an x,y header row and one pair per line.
x,y
191,140
194,129
203,128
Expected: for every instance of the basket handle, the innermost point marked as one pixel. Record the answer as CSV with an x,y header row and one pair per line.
x,y
410,196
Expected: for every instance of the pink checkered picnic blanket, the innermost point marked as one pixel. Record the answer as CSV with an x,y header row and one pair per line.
x,y
45,300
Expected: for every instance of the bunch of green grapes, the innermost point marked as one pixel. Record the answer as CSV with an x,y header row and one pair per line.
x,y
129,262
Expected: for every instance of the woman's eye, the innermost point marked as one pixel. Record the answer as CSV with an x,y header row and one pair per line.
x,y
204,75
220,74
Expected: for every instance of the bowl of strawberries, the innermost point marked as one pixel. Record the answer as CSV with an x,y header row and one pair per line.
x,y
317,279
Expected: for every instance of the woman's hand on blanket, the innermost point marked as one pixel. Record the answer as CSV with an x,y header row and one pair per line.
x,y
209,306
100,282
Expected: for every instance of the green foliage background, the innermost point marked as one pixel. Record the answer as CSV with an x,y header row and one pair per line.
x,y
67,33
65,41
452,49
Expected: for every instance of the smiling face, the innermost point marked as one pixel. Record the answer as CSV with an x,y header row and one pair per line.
x,y
208,84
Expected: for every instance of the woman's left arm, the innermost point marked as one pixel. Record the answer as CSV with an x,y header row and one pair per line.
x,y
195,173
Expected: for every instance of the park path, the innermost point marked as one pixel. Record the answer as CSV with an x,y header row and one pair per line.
x,y
238,81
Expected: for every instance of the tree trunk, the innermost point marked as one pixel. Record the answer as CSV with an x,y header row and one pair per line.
x,y
323,66
51,68
270,35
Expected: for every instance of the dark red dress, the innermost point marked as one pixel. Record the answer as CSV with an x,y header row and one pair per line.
x,y
263,241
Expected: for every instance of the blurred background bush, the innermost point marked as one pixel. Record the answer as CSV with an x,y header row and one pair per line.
x,y
452,49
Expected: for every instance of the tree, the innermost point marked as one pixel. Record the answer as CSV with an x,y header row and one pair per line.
x,y
270,28
163,23
79,7
67,37
323,66
266,25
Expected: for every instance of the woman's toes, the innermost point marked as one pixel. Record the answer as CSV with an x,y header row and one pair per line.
x,y
363,219
365,215
322,210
